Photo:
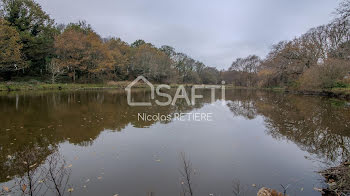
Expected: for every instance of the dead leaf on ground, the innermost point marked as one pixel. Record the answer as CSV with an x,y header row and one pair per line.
x,y
5,188
24,187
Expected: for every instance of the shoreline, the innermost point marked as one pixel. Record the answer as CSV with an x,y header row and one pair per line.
x,y
25,86
338,93
337,179
334,93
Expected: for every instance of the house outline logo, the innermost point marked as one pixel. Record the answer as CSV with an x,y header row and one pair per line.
x,y
179,94
128,89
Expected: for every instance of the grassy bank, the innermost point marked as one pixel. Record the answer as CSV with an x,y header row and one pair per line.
x,y
230,86
38,86
25,86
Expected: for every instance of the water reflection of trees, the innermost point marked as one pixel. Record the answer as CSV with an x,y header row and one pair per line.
x,y
44,120
36,174
315,124
242,103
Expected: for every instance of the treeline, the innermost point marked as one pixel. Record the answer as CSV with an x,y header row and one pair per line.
x,y
33,46
318,59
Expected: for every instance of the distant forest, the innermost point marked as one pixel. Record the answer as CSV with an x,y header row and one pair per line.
x,y
34,47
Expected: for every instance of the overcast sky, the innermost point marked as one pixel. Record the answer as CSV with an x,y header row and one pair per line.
x,y
214,32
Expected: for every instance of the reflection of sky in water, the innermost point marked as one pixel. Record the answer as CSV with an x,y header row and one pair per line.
x,y
226,149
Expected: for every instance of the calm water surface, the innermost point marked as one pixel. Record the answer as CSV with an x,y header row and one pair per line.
x,y
255,139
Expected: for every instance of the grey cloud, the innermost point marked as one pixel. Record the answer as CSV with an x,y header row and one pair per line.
x,y
214,32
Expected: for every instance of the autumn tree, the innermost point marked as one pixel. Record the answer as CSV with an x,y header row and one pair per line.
x,y
186,67
246,69
31,40
210,75
97,57
69,50
120,53
10,47
151,62
319,51
168,50
82,53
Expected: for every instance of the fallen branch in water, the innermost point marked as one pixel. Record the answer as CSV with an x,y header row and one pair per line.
x,y
338,180
187,172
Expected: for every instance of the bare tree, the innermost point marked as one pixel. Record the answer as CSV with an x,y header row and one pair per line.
x,y
55,70
344,10
247,67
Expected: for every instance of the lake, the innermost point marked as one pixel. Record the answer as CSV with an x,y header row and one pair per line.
x,y
99,145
